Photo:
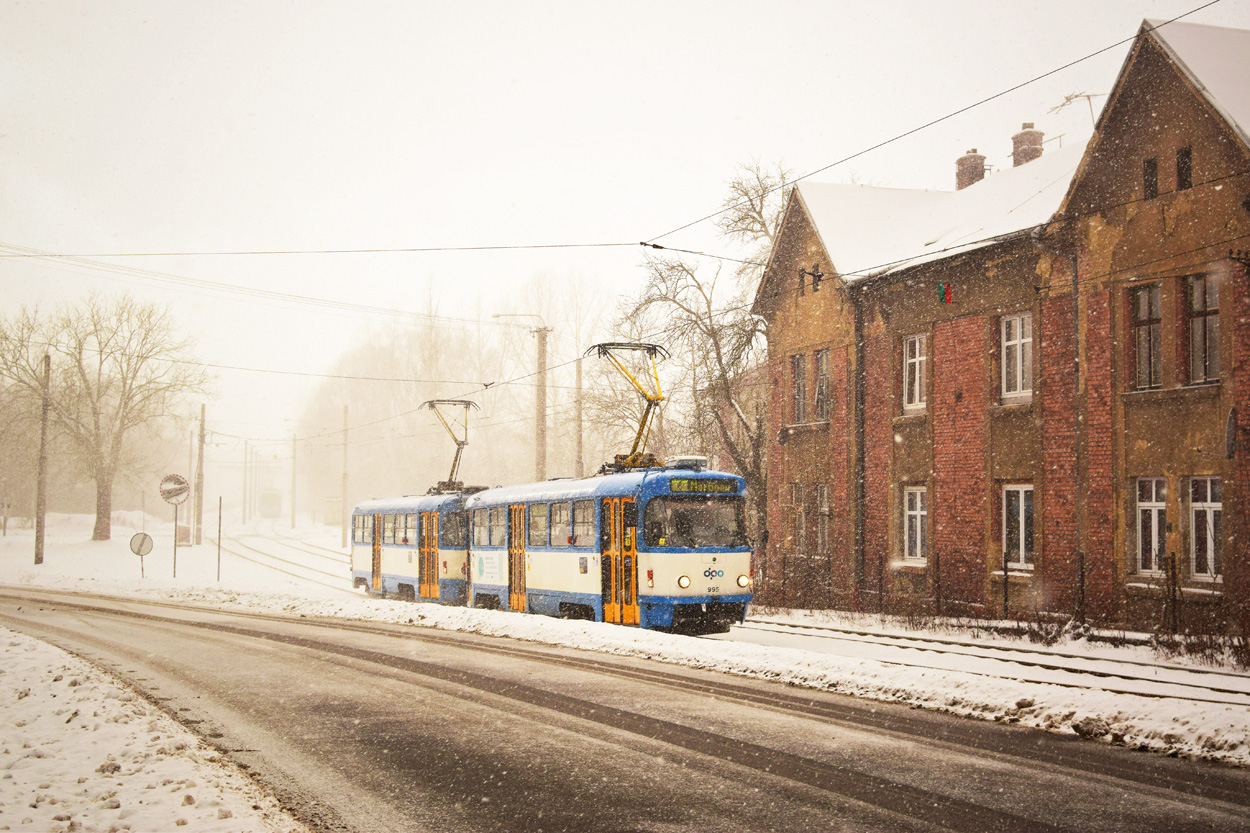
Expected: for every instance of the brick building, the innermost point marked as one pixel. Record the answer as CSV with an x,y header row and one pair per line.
x,y
1020,397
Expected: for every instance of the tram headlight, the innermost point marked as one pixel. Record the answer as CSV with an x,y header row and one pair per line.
x,y
743,581
683,582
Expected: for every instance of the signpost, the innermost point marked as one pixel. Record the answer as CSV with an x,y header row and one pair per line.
x,y
175,489
141,545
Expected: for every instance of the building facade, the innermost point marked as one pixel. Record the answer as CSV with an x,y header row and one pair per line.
x,y
1021,398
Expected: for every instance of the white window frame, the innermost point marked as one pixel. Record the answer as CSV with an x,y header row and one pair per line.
x,y
1212,511
913,372
820,360
1022,559
915,515
1156,509
822,518
1017,357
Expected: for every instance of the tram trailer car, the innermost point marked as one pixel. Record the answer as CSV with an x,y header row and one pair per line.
x,y
412,547
662,548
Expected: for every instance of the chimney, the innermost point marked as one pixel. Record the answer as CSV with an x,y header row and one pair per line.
x,y
969,169
1026,145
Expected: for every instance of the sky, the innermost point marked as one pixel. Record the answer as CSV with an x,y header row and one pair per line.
x,y
168,137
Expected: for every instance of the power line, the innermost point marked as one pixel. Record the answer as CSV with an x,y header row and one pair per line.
x,y
257,252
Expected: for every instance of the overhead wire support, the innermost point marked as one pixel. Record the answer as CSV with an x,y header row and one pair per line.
x,y
451,484
637,457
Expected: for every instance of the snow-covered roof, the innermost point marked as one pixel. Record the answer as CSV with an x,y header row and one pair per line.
x,y
870,231
1217,61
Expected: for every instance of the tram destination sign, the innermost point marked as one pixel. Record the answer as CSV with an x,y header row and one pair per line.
x,y
703,486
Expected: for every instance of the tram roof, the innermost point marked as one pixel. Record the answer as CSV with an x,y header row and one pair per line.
x,y
606,485
406,503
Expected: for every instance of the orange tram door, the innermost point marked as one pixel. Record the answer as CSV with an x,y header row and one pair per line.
x,y
427,569
618,520
516,558
377,554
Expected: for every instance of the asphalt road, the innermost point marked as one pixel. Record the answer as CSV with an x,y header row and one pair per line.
x,y
368,727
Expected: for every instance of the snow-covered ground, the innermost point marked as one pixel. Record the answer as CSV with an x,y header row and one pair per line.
x,y
1152,718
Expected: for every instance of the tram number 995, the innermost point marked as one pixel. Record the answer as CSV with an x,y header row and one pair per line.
x,y
710,574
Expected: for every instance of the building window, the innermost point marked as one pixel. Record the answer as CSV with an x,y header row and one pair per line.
x,y
1184,169
1150,178
1206,506
1017,357
1018,525
821,360
796,494
798,389
915,519
538,525
913,372
1147,329
1152,496
822,518
1204,329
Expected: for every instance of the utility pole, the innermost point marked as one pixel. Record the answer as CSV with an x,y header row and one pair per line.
x,y
245,481
292,480
190,479
580,469
41,481
199,485
343,503
540,430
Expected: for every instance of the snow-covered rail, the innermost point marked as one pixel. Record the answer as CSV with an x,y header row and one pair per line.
x,y
1140,676
339,579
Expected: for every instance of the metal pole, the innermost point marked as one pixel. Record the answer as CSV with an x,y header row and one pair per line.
x,y
191,478
175,540
219,538
540,438
292,480
41,482
199,486
580,469
343,502
245,481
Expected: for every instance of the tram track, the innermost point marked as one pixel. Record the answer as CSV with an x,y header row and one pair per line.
x,y
845,781
341,576
1234,685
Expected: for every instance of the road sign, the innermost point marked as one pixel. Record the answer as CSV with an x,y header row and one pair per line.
x,y
175,489
141,544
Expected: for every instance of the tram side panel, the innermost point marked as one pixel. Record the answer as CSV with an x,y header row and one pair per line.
x,y
489,557
362,550
563,565
453,556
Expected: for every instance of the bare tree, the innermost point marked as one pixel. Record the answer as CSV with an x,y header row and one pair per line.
x,y
118,366
703,317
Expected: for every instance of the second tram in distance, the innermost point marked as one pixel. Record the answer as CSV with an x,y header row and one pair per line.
x,y
661,547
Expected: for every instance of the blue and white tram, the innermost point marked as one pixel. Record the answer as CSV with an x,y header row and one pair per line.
x,y
657,548
412,547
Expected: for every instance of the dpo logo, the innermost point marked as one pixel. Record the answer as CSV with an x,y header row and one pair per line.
x,y
710,573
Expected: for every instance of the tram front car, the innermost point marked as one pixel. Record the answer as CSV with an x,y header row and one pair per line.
x,y
694,558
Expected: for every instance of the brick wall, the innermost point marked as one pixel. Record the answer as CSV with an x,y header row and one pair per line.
x,y
960,481
1237,494
1101,583
841,534
1056,562
878,443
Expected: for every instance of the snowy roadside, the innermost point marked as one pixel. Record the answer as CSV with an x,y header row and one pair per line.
x,y
1161,724
81,752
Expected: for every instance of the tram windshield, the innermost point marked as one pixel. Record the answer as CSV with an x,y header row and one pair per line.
x,y
694,521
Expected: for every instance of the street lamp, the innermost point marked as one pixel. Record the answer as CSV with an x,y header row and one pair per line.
x,y
540,401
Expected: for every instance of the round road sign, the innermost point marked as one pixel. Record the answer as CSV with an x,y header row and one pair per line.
x,y
141,544
175,489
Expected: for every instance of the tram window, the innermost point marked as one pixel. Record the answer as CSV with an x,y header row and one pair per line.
x,y
451,530
538,524
481,537
561,532
368,529
410,529
583,523
499,526
355,529
605,526
694,521
388,529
